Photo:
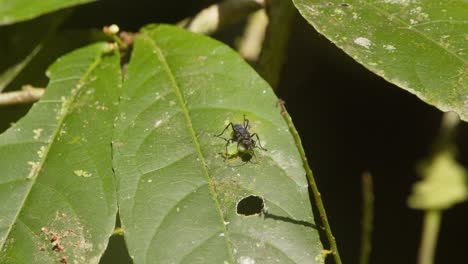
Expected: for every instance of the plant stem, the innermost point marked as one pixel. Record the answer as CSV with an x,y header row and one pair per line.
x,y
433,216
432,219
367,217
27,94
251,42
281,15
217,16
313,184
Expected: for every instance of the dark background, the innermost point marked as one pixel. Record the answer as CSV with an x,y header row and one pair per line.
x,y
350,121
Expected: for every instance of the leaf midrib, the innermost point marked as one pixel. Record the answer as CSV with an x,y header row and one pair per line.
x,y
188,119
66,107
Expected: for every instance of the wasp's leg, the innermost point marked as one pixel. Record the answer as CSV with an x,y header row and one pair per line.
x,y
259,143
255,156
224,130
246,123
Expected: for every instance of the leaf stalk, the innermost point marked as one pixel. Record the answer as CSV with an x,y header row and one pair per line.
x,y
313,184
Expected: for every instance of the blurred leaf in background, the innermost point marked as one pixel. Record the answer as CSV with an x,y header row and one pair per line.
x,y
12,11
443,185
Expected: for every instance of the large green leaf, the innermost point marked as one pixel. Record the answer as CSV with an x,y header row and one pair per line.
x,y
12,11
177,195
417,45
56,183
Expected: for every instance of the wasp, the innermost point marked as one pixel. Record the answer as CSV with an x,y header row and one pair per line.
x,y
240,134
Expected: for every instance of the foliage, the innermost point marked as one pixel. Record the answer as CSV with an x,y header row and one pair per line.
x,y
417,45
126,131
57,188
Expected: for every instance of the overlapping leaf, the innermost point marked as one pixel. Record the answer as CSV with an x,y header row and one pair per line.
x,y
178,196
61,43
417,45
12,11
56,183
21,43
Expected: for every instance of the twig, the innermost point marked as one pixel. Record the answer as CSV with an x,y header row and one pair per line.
x,y
250,45
447,132
313,184
281,14
433,216
218,16
367,217
26,95
123,39
430,232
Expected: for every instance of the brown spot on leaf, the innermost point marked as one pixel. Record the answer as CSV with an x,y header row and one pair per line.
x,y
64,237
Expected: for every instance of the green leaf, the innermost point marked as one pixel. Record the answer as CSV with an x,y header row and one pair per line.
x,y
57,187
417,45
22,42
59,44
177,195
12,11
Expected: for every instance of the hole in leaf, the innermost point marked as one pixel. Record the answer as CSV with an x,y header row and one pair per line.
x,y
250,205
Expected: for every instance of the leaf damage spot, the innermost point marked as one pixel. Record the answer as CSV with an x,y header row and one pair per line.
x,y
100,106
37,133
34,168
64,260
157,123
338,11
64,239
82,173
418,15
41,152
63,130
250,205
397,2
63,107
363,42
390,48
245,260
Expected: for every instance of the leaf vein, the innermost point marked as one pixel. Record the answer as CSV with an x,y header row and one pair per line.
x,y
183,106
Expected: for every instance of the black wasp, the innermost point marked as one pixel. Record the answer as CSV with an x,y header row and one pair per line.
x,y
240,134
